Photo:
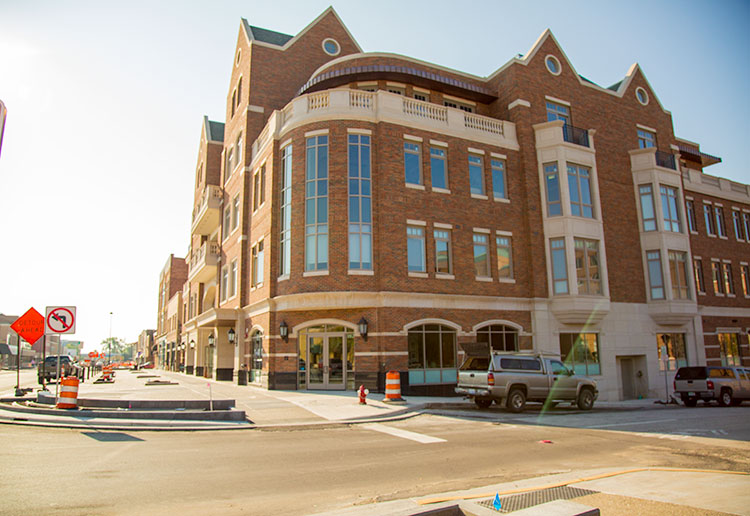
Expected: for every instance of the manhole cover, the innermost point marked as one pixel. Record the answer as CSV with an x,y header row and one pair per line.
x,y
517,502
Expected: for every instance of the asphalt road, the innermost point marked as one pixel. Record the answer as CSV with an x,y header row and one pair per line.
x,y
59,471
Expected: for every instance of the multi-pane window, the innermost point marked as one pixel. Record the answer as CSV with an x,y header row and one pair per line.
x,y
229,165
646,139
579,186
669,209
716,276
432,354
700,284
438,168
224,282
285,254
481,255
238,150
257,274
476,175
648,214
745,273
499,189
260,188
235,212
443,262
737,218
256,366
499,337
233,278
729,349
227,221
558,112
412,163
458,105
559,266
690,208
587,266
415,249
360,203
552,181
746,223
676,355
721,228
709,219
727,275
504,257
580,352
424,97
679,275
655,277
316,204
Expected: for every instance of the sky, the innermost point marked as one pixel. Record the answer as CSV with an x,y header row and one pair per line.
x,y
106,99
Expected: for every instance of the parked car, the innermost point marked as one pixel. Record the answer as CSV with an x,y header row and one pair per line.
x,y
515,378
48,369
728,385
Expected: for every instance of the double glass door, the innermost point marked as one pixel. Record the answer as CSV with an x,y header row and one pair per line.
x,y
326,361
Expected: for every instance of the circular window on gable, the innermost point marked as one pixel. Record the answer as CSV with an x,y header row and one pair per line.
x,y
331,47
641,95
553,65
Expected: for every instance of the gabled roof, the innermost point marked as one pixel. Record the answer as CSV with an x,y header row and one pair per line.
x,y
214,130
265,35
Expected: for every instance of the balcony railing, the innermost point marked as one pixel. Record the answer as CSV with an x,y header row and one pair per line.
x,y
572,134
204,260
389,107
211,192
665,159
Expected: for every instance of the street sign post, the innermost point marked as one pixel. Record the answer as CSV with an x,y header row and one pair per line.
x,y
60,320
30,326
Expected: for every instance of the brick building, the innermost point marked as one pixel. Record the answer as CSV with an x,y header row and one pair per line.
x,y
365,212
169,315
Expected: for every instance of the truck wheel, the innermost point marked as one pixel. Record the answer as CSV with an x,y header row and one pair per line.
x,y
585,399
516,401
483,403
725,398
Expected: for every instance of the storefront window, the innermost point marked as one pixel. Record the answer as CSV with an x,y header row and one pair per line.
x,y
432,354
729,349
580,352
676,350
256,365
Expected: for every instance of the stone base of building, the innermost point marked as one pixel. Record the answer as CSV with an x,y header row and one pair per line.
x,y
282,381
189,369
225,374
199,370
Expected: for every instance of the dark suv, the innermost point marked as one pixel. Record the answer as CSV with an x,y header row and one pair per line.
x,y
728,385
48,369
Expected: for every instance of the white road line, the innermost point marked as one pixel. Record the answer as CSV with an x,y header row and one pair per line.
x,y
633,423
405,434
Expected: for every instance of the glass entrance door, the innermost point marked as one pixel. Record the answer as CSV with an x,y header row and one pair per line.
x,y
325,358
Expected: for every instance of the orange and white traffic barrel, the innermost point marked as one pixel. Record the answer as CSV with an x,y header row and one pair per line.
x,y
68,396
393,386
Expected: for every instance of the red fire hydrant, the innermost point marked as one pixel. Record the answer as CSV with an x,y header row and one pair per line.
x,y
363,395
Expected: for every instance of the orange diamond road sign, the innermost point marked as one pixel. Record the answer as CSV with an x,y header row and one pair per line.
x,y
30,326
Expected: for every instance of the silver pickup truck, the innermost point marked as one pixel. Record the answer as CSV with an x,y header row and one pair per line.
x,y
516,378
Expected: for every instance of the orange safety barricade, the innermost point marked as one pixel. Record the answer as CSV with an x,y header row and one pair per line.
x,y
68,397
393,386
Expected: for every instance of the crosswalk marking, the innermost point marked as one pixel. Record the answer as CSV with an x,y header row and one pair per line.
x,y
405,434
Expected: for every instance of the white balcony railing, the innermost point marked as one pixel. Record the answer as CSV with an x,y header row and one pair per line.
x,y
203,260
342,104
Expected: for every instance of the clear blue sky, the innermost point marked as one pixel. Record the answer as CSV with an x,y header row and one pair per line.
x,y
105,101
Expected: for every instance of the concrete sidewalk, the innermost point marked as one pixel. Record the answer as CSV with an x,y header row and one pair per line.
x,y
266,408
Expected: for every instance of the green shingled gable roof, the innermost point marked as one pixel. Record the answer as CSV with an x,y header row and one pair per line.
x,y
265,35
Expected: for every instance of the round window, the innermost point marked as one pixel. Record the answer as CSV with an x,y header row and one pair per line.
x,y
641,95
331,47
553,65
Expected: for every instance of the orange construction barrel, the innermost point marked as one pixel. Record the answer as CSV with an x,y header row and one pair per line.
x,y
68,396
393,387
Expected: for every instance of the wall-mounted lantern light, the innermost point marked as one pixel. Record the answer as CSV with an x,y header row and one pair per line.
x,y
211,339
362,325
284,331
230,335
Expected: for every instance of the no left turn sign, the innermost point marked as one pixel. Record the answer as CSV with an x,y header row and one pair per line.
x,y
60,320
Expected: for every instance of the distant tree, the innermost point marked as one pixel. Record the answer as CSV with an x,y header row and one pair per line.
x,y
113,346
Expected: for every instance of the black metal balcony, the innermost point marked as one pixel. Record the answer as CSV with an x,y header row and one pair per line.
x,y
575,135
665,159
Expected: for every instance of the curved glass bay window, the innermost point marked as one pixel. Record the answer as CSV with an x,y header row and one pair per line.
x,y
432,354
360,203
316,204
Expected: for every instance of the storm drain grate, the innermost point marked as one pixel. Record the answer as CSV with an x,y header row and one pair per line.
x,y
522,501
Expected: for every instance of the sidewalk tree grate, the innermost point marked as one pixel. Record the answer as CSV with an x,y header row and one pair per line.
x,y
524,500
